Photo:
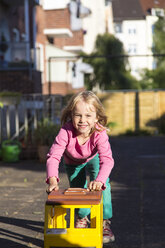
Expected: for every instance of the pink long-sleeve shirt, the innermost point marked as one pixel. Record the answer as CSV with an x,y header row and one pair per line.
x,y
66,144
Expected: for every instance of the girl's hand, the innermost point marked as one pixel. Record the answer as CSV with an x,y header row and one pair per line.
x,y
94,185
53,185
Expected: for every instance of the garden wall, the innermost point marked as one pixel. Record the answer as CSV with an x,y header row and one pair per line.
x,y
134,110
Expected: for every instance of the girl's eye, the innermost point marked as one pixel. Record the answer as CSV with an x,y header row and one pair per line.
x,y
77,115
88,116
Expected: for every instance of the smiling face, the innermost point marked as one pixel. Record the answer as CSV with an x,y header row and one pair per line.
x,y
84,118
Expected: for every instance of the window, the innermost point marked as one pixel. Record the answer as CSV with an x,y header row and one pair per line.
x,y
51,40
132,31
132,48
157,12
153,28
154,64
107,2
118,27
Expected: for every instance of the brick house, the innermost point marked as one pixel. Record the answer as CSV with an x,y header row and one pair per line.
x,y
59,39
17,47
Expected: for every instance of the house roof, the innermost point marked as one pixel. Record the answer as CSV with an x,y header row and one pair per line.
x,y
149,4
127,10
134,9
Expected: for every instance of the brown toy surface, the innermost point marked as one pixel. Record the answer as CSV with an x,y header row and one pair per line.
x,y
74,196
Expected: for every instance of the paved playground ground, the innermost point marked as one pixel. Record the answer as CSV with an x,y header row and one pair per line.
x,y
138,194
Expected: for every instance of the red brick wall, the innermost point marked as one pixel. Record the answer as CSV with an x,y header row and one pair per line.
x,y
40,23
61,88
59,18
76,40
57,88
56,19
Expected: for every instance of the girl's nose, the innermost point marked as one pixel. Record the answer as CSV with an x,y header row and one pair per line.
x,y
82,118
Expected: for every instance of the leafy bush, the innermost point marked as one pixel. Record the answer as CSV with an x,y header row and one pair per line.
x,y
10,93
46,132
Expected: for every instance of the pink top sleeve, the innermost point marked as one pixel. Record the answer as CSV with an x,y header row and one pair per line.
x,y
105,157
55,154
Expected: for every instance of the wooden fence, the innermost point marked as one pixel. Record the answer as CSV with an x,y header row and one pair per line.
x,y
134,110
16,119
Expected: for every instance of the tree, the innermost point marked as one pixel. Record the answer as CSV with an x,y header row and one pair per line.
x,y
156,78
109,65
159,38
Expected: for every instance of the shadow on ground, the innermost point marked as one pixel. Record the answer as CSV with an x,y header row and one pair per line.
x,y
16,239
33,165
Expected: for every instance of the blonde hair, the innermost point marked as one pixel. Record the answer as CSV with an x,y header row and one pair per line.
x,y
90,98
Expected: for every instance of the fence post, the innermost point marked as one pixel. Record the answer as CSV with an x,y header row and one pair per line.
x,y
137,111
16,120
8,122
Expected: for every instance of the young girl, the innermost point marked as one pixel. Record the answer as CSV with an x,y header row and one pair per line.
x,y
84,144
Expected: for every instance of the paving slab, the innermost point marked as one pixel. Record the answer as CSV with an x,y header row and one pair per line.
x,y
138,190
